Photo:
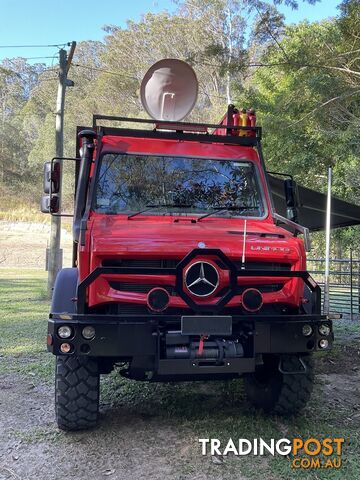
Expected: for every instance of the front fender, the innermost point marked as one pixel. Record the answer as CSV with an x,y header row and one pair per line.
x,y
65,290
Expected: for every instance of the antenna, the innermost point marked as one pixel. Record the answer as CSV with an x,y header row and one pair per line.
x,y
169,90
244,247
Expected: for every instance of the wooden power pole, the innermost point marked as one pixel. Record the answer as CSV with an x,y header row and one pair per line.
x,y
54,257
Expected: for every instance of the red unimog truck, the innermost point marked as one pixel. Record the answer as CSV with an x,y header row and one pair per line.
x,y
182,269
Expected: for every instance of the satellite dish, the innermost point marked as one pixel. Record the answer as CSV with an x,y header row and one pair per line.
x,y
169,90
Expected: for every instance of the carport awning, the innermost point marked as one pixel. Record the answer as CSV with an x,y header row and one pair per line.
x,y
312,210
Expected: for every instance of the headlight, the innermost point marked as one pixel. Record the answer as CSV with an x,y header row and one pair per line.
x,y
307,330
323,343
88,332
64,331
324,330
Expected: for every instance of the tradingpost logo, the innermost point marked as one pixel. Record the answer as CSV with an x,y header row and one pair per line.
x,y
309,453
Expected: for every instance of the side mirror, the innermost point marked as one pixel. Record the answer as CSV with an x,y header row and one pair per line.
x,y
47,177
52,177
291,197
50,204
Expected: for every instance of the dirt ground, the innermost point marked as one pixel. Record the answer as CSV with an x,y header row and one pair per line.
x,y
131,444
24,244
126,446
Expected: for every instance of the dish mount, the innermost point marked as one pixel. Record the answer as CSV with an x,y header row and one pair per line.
x,y
169,90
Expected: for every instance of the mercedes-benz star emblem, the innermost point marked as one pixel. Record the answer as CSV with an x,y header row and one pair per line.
x,y
201,279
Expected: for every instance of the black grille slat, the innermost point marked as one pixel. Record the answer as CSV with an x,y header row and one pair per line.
x,y
172,263
145,288
139,263
132,309
285,267
137,287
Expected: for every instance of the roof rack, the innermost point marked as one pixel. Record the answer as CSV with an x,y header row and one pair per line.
x,y
180,130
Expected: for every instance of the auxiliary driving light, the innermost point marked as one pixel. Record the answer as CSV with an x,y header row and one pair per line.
x,y
307,330
324,330
252,300
64,331
65,347
323,343
158,299
88,332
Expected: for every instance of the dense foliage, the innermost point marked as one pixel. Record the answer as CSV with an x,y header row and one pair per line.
x,y
303,80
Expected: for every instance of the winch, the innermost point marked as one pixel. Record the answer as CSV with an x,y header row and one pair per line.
x,y
180,346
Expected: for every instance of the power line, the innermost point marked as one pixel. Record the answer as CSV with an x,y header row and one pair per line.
x,y
30,58
290,63
202,90
268,29
36,58
36,46
105,71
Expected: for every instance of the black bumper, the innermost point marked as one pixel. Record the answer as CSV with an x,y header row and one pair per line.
x,y
132,338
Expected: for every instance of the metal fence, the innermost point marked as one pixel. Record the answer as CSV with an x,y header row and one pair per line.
x,y
344,291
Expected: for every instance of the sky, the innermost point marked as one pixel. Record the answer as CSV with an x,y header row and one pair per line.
x,y
53,22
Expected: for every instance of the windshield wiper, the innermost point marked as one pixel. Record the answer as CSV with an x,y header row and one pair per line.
x,y
230,208
158,205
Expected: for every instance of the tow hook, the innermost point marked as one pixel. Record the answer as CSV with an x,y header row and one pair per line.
x,y
293,372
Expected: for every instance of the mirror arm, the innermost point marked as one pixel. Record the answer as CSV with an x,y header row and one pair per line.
x,y
296,228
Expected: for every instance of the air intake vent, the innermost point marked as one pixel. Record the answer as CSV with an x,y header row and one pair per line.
x,y
139,263
286,267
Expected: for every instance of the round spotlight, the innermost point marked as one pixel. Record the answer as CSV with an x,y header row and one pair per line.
x,y
324,330
307,330
65,348
252,300
88,332
64,331
323,343
158,299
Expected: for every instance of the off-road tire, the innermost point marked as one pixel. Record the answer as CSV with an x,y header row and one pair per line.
x,y
275,392
77,382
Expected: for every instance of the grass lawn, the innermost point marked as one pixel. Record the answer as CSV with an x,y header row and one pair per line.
x,y
196,410
24,310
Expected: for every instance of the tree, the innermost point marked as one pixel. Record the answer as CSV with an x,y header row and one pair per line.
x,y
308,104
303,81
17,79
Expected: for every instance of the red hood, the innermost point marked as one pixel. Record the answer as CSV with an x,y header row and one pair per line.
x,y
171,238
151,237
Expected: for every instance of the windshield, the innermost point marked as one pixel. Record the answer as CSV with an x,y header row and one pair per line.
x,y
131,183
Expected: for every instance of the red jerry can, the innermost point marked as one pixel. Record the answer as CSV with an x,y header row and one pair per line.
x,y
236,122
251,121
